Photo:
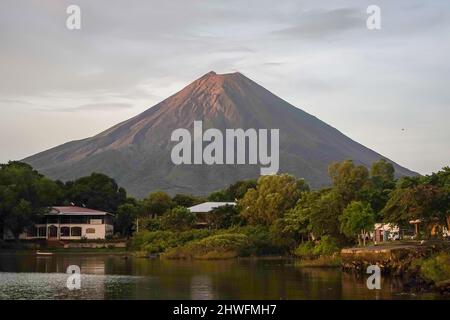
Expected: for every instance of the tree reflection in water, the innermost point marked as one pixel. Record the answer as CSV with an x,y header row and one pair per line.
x,y
113,277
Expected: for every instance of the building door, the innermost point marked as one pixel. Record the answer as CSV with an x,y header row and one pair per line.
x,y
52,232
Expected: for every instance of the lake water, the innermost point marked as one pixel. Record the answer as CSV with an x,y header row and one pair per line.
x,y
113,277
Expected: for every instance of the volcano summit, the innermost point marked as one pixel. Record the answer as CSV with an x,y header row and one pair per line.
x,y
137,152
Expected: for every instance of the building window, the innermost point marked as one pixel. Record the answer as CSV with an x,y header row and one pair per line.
x,y
65,232
32,232
90,230
75,231
65,219
52,219
42,232
78,220
41,220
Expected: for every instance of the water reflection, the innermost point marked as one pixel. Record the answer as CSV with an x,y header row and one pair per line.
x,y
201,288
114,277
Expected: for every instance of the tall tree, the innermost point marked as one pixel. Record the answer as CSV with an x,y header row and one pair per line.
x,y
178,219
186,200
219,196
383,169
357,219
223,217
348,179
157,203
97,191
381,183
238,189
234,192
126,217
423,201
425,198
24,196
324,210
271,198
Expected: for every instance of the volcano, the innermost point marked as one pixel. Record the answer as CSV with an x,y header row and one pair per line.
x,y
137,152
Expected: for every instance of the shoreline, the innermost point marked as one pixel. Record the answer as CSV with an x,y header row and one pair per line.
x,y
65,251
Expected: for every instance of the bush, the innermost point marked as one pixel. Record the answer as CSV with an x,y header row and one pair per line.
x,y
160,241
149,224
178,218
192,235
436,268
327,246
220,246
224,217
282,236
153,241
259,240
305,250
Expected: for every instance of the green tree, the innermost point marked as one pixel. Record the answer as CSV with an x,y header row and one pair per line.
x,y
326,246
325,207
223,217
381,183
219,196
357,220
25,195
282,236
157,203
238,189
97,191
178,218
426,202
186,200
348,179
126,217
273,196
286,232
234,192
384,170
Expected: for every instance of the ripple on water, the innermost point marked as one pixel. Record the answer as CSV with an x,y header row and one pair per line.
x,y
53,286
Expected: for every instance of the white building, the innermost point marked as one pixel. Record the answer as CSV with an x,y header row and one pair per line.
x,y
385,232
70,223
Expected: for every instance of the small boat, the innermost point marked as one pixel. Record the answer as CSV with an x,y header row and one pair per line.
x,y
40,253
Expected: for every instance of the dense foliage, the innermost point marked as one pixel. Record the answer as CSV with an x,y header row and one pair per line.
x,y
275,214
435,268
272,196
24,196
97,191
357,219
426,198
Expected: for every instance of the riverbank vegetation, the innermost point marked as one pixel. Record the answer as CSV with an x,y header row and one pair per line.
x,y
435,268
274,215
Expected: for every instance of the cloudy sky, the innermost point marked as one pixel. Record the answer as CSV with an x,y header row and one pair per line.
x,y
388,89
